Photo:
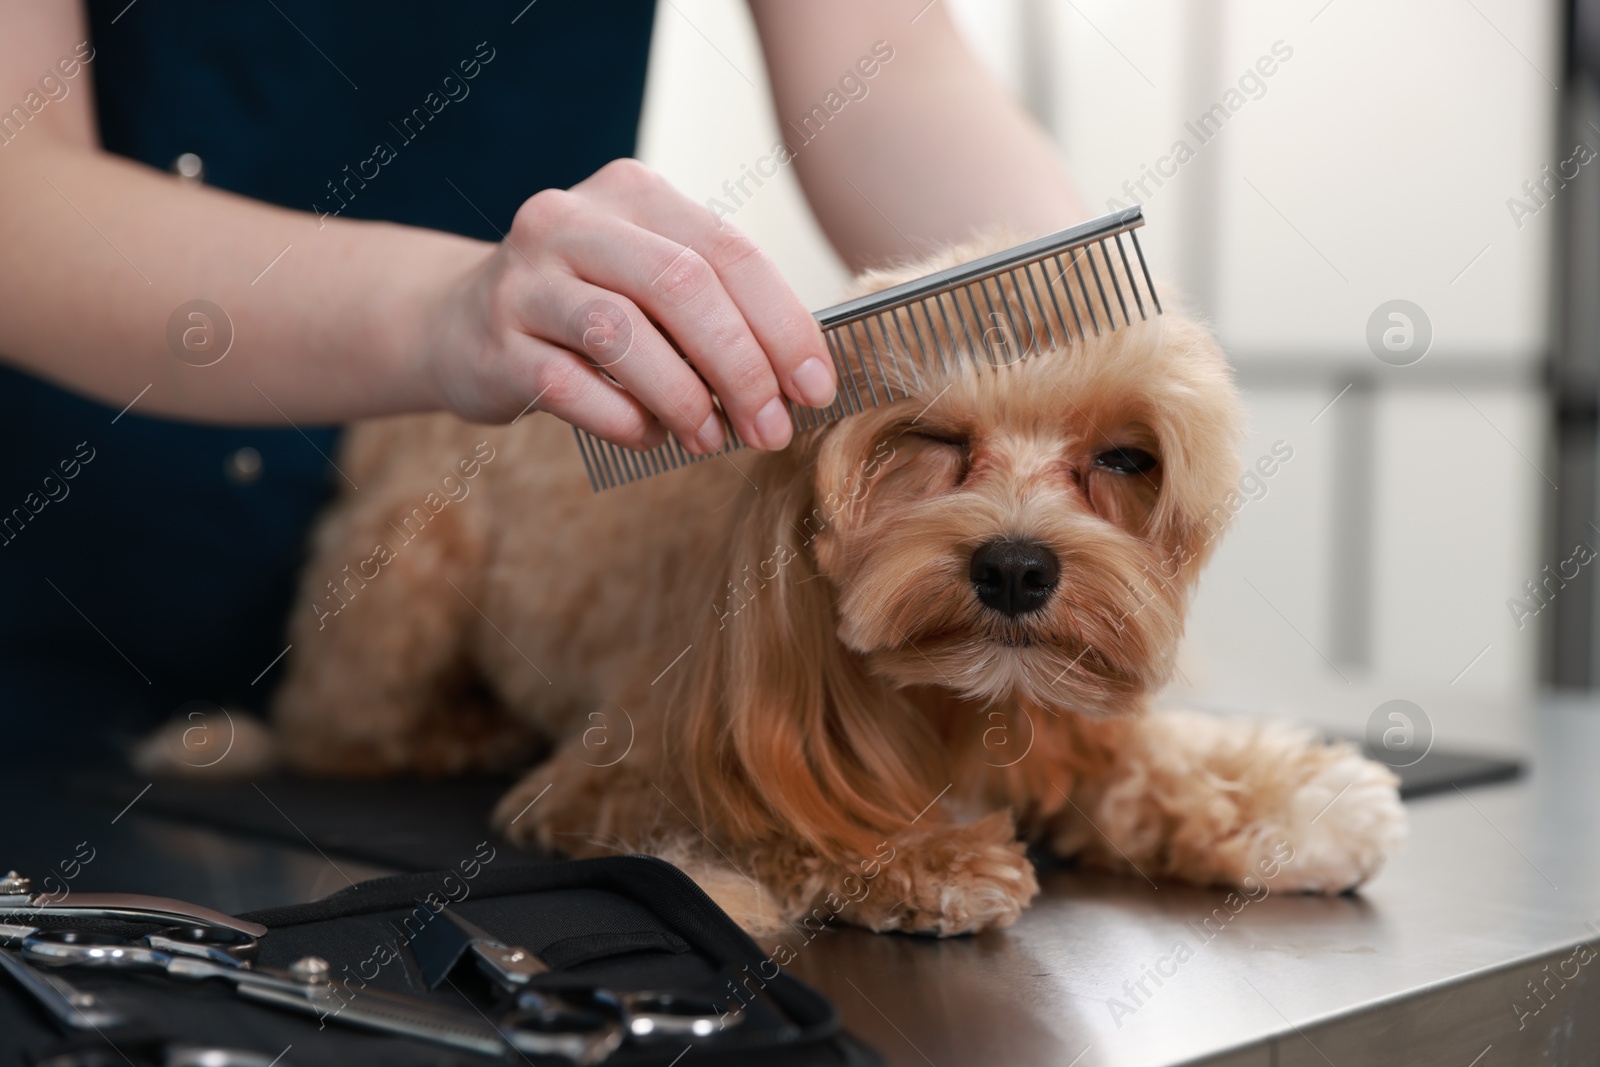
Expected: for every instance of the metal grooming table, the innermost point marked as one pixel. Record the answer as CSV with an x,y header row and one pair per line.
x,y
1431,964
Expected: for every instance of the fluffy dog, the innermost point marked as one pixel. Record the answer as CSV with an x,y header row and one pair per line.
x,y
857,677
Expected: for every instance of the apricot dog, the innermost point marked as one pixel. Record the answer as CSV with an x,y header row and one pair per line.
x,y
863,673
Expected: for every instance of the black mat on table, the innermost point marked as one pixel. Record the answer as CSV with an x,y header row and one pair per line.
x,y
403,823
415,825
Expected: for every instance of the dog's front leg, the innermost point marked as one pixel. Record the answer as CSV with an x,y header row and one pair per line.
x,y
1213,801
935,878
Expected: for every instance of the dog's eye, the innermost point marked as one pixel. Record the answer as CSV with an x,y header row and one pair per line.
x,y
937,438
1126,460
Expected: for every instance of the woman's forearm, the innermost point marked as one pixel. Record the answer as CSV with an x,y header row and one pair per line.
x,y
100,257
927,150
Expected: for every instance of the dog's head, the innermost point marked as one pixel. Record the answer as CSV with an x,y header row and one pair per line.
x,y
1031,531
1023,529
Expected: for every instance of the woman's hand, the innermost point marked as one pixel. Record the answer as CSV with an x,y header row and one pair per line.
x,y
623,272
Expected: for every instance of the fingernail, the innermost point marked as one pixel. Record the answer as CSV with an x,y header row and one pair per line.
x,y
711,438
814,383
773,425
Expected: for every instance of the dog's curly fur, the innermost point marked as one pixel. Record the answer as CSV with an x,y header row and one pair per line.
x,y
774,669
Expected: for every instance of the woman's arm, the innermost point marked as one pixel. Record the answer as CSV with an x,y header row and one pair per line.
x,y
931,148
362,318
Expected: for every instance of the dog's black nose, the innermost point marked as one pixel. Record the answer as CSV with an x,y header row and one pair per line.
x,y
1014,577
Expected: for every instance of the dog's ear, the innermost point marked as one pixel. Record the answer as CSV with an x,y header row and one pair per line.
x,y
1196,415
785,729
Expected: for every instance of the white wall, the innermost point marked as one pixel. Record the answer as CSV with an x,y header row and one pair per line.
x,y
1375,165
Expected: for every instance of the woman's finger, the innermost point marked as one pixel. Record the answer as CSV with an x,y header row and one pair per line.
x,y
785,330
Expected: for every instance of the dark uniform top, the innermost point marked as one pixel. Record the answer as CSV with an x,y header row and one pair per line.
x,y
146,563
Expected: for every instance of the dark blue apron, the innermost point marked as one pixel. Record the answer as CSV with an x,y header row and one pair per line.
x,y
161,571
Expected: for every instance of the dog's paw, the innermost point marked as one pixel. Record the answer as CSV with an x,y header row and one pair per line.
x,y
516,816
956,881
213,743
1340,827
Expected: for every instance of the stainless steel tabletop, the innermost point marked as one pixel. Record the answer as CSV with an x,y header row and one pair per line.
x,y
1431,963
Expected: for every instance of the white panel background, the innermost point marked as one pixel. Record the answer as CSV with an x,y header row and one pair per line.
x,y
1390,141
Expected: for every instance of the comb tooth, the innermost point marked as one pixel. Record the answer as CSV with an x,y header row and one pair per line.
x,y
895,364
963,320
847,380
799,414
685,457
1116,287
583,452
1026,338
919,351
602,450
976,319
641,462
949,331
680,458
1050,330
861,365
1145,267
994,318
1083,287
669,458
618,463
1005,307
1044,272
1072,304
626,457
916,359
655,459
849,397
1132,282
932,341
1022,306
1111,320
898,362
601,475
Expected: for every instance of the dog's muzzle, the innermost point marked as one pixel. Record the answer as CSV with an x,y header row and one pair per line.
x,y
1014,577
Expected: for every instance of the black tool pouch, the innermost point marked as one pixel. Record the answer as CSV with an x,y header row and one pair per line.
x,y
624,923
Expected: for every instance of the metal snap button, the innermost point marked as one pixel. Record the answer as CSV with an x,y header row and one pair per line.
x,y
190,167
244,466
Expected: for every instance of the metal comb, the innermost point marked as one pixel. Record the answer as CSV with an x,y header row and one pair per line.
x,y
877,350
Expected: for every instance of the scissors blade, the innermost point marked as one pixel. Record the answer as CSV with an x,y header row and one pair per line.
x,y
133,907
11,934
72,1008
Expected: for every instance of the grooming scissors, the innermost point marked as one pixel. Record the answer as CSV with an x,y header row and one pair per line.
x,y
19,901
447,937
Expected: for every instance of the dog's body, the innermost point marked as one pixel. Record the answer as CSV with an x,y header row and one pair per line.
x,y
856,675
